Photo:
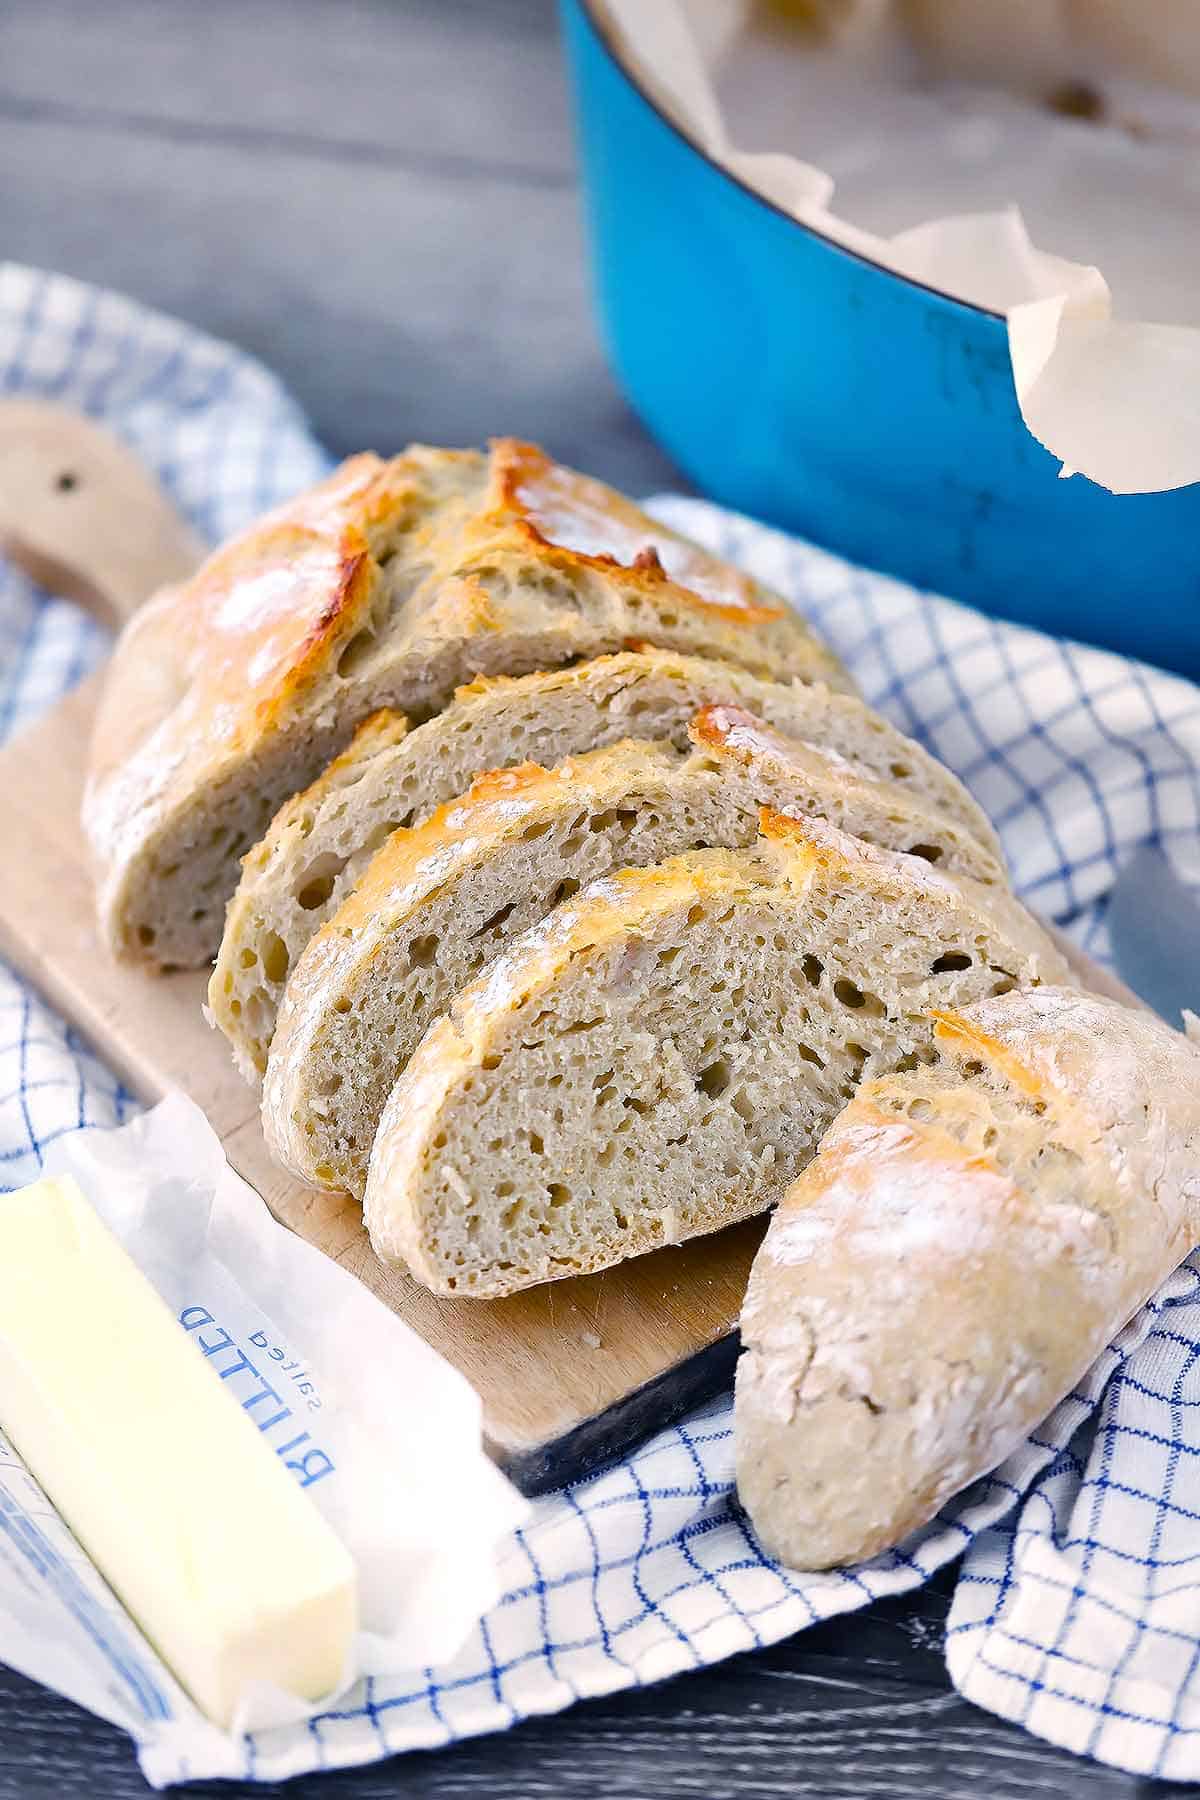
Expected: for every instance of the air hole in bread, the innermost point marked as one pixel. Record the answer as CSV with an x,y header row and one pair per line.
x,y
559,1195
382,833
809,1055
356,653
423,951
403,584
714,1079
849,993
145,934
813,968
536,831
490,1062
247,960
953,961
929,853
275,958
496,921
314,893
900,770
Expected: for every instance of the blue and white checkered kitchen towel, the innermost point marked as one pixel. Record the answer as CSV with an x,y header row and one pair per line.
x,y
1077,1611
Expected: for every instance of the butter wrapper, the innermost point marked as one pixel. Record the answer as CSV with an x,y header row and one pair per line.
x,y
380,1432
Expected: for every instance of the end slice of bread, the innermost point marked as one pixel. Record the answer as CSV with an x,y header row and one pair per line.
x,y
969,1238
662,1055
320,843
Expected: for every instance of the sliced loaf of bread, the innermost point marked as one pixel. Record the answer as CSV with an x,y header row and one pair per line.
x,y
388,585
321,841
663,1054
970,1237
438,902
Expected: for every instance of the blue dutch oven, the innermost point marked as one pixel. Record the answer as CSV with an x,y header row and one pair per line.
x,y
799,382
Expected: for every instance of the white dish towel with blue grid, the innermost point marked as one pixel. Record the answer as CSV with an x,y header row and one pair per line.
x,y
1077,1610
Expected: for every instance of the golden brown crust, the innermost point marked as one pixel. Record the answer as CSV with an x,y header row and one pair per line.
x,y
389,584
555,509
244,631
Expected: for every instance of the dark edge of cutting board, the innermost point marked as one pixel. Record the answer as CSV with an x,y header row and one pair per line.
x,y
591,1446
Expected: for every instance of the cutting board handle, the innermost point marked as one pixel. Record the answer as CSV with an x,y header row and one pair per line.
x,y
82,515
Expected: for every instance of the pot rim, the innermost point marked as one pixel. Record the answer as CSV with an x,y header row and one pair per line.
x,y
590,10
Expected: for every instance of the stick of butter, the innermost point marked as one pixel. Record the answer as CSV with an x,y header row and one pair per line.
x,y
189,1515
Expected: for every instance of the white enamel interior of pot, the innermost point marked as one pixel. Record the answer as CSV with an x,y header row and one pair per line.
x,y
960,185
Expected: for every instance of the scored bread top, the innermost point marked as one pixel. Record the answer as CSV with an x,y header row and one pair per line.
x,y
389,584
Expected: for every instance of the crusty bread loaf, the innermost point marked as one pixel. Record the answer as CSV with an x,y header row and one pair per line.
x,y
969,1238
438,902
321,841
388,585
661,1056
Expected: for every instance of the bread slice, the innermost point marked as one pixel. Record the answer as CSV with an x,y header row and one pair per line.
x,y
320,842
970,1237
438,902
388,585
662,1055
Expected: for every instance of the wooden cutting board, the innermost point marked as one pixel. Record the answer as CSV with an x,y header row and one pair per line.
x,y
570,1373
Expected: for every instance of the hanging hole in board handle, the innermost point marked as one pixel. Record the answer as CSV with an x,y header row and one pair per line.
x,y
82,515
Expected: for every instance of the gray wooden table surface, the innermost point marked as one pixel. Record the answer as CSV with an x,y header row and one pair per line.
x,y
378,197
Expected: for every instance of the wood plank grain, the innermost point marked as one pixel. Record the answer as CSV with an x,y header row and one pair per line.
x,y
856,1709
383,209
